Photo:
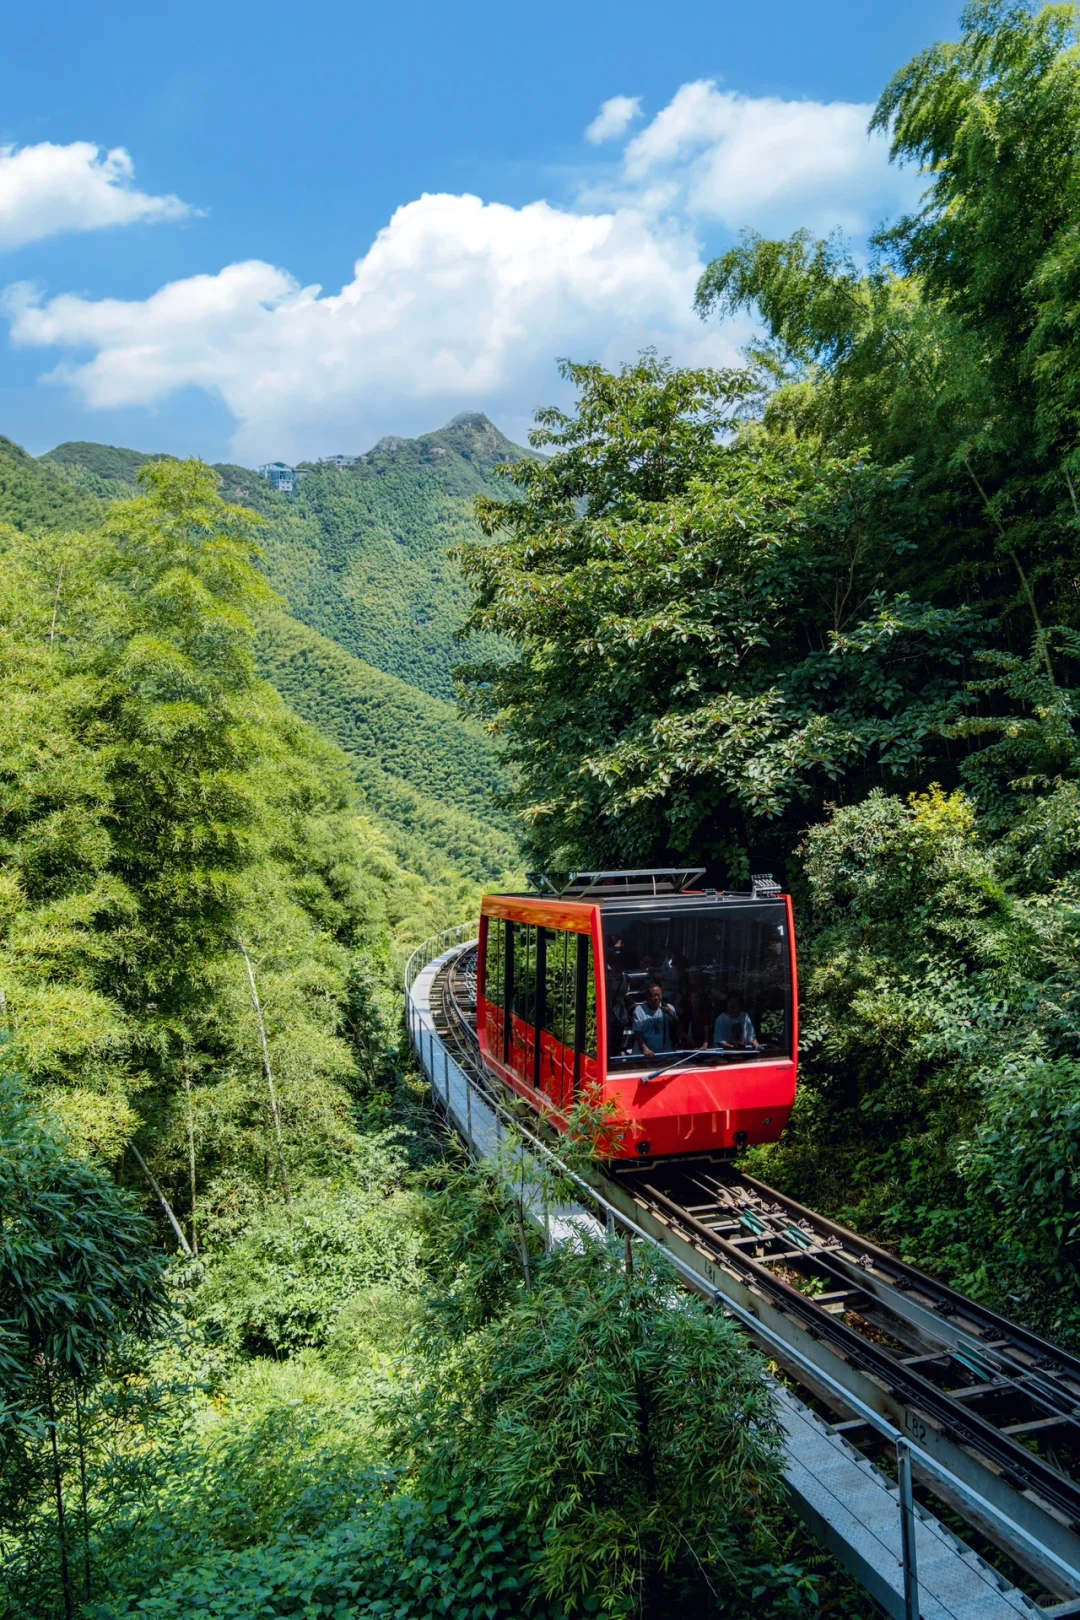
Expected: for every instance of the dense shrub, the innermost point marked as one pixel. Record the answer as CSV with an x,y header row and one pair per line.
x,y
281,1286
394,1557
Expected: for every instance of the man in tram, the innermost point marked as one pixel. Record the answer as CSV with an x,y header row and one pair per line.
x,y
654,1022
733,1027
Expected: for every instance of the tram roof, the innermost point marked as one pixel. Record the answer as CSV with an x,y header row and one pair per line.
x,y
665,886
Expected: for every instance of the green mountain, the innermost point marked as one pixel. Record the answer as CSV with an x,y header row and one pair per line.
x,y
36,494
361,557
362,552
366,561
113,470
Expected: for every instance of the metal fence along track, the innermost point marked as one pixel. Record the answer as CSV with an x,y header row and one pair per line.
x,y
902,1369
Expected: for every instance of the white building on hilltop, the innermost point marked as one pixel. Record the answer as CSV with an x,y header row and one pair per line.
x,y
280,476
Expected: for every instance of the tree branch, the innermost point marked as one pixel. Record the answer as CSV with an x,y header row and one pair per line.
x,y
166,1206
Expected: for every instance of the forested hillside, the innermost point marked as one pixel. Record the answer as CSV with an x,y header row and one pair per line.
x,y
356,1387
429,780
362,553
367,560
429,776
33,493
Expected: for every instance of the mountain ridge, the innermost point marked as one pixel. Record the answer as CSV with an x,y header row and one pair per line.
x,y
363,553
473,435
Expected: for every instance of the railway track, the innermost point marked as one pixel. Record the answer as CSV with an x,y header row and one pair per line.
x,y
996,1405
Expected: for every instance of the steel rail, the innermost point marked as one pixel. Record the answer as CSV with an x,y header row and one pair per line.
x,y
949,1305
1020,1467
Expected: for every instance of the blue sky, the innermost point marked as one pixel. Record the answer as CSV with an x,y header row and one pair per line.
x,y
178,183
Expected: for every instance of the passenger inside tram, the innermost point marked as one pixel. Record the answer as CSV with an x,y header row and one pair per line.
x,y
654,1024
733,1027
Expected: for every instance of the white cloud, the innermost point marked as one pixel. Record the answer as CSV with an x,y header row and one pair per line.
x,y
614,119
771,164
46,189
457,303
460,304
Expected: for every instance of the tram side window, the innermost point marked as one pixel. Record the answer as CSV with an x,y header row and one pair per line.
x,y
589,1042
560,1000
495,963
568,966
525,972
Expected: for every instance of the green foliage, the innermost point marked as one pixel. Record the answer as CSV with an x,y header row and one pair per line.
x,y
956,349
709,642
33,495
353,552
76,1270
427,775
393,1557
940,969
159,807
103,470
1023,1168
541,1460
77,1273
105,461
993,118
569,1411
820,613
282,1285
939,936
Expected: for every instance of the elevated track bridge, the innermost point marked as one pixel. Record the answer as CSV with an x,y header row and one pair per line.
x,y
932,1445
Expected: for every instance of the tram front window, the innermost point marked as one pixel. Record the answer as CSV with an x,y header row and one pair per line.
x,y
724,977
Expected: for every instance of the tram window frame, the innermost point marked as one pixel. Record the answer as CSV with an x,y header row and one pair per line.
x,y
508,992
498,935
495,962
585,1024
525,952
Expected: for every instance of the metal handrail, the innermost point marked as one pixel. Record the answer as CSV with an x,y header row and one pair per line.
x,y
436,946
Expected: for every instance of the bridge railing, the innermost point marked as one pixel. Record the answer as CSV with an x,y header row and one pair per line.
x,y
436,946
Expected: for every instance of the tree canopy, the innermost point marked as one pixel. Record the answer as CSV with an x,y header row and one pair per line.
x,y
713,625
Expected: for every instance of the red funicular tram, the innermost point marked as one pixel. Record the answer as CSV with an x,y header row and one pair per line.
x,y
678,1004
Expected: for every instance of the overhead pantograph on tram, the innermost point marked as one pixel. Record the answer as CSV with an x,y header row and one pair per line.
x,y
678,1005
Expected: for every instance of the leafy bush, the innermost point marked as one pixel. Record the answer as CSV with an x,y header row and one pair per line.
x,y
941,1038
1023,1173
282,1285
394,1556
627,1426
78,1273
